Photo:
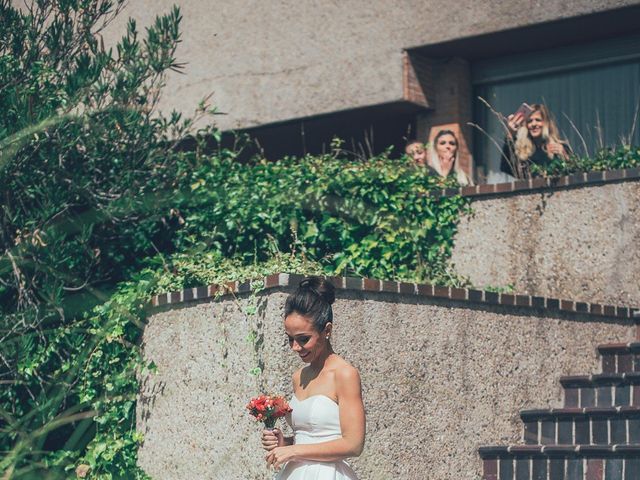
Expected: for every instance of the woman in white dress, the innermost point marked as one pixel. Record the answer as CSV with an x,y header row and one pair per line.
x,y
328,418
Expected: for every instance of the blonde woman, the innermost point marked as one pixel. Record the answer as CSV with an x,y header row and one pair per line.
x,y
418,152
533,138
443,157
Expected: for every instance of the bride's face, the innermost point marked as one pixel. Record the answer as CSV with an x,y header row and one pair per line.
x,y
303,337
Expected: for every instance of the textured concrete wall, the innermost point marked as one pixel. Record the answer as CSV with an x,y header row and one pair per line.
x,y
580,244
283,59
439,378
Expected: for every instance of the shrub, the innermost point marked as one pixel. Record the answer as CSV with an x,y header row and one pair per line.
x,y
378,218
86,170
85,164
613,158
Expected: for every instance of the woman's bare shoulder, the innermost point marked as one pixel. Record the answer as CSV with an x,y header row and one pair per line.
x,y
344,371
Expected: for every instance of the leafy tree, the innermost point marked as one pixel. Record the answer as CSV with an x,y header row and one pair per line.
x,y
88,169
84,159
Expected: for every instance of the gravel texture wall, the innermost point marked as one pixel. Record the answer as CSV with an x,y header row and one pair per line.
x,y
440,378
271,61
577,243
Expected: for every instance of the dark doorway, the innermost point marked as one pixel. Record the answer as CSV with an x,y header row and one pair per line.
x,y
365,132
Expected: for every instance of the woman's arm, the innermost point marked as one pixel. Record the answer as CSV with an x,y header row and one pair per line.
x,y
274,438
560,149
514,122
352,424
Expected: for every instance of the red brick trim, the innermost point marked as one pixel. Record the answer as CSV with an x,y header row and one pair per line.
x,y
417,80
467,295
549,183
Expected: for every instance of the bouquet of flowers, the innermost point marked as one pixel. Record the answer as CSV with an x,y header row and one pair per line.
x,y
268,408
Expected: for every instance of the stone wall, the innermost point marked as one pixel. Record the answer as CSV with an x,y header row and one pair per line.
x,y
273,61
579,243
440,376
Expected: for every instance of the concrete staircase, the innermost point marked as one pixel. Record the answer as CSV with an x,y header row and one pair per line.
x,y
594,436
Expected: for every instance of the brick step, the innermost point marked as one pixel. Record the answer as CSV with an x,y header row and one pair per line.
x,y
601,390
561,462
620,357
591,425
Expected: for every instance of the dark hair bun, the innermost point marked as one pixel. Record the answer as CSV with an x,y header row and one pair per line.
x,y
313,298
320,286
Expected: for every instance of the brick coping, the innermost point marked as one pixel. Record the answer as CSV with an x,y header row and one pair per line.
x,y
491,451
543,183
405,288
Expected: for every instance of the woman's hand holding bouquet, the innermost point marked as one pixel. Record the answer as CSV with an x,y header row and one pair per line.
x,y
267,409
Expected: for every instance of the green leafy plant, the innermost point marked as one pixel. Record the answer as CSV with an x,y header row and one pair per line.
x,y
377,218
102,207
510,288
622,156
87,170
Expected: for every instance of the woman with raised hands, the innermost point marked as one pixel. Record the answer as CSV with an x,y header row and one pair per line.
x,y
532,139
443,157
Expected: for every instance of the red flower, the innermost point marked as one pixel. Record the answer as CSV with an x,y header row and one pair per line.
x,y
268,408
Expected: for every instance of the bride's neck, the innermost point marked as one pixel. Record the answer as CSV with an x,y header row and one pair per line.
x,y
318,364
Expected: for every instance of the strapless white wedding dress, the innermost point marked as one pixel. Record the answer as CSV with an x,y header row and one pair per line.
x,y
314,420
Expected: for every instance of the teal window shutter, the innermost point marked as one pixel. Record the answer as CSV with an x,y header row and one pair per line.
x,y
593,91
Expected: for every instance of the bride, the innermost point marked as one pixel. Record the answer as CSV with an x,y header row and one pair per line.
x,y
328,418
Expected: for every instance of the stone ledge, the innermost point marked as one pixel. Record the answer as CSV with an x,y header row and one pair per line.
x,y
405,288
600,379
525,451
578,412
543,183
619,348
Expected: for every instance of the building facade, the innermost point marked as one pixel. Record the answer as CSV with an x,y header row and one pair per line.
x,y
294,74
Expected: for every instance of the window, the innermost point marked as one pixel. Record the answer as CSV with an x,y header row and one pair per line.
x,y
592,89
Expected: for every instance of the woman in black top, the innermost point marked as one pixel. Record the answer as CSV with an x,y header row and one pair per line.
x,y
532,139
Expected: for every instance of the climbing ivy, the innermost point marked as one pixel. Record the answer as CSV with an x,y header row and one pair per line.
x,y
613,158
380,218
103,206
95,432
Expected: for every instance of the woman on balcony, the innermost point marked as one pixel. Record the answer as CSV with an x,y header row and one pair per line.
x,y
443,157
417,151
532,139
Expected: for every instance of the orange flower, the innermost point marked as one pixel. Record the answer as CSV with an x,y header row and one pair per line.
x,y
268,408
